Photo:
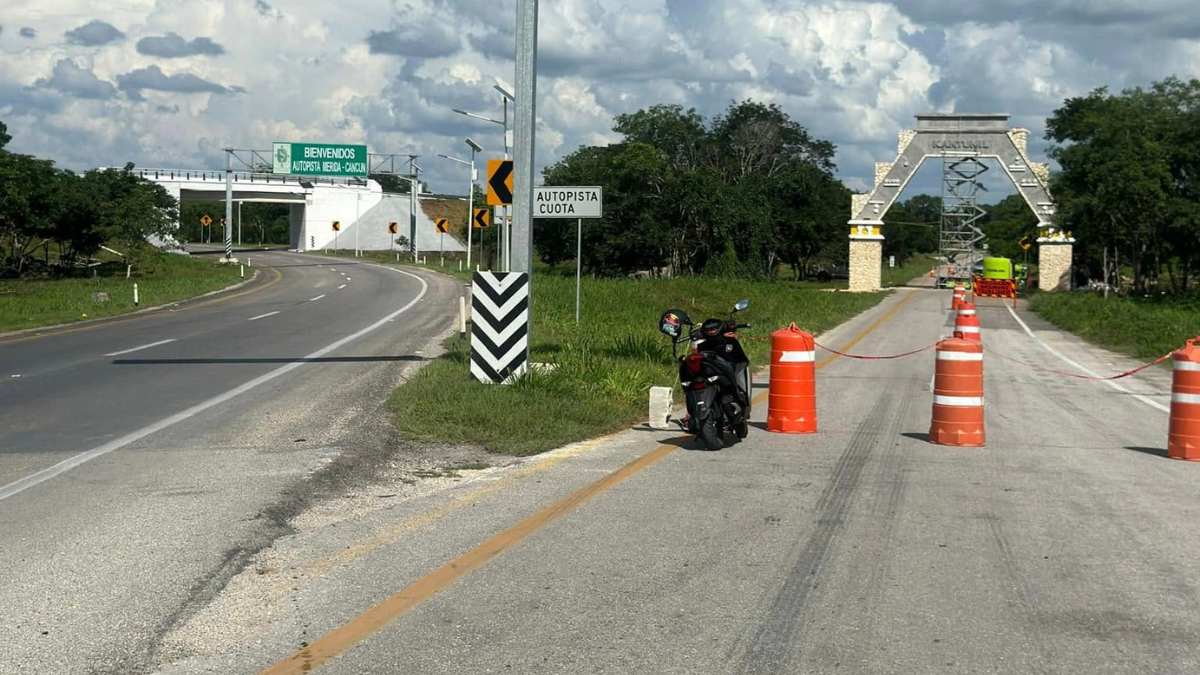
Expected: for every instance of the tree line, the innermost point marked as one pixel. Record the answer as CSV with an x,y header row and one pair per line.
x,y
739,195
1128,187
53,220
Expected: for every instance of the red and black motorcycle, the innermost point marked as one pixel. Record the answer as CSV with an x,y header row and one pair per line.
x,y
714,374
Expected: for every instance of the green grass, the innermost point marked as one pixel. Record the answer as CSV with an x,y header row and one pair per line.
x,y
161,279
604,366
1140,327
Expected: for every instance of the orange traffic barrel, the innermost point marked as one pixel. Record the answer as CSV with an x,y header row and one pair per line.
x,y
966,322
958,394
792,404
1183,436
960,294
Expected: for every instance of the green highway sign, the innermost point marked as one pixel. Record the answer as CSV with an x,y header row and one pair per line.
x,y
320,159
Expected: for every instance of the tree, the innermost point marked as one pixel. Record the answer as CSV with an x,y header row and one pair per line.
x,y
4,137
131,211
734,197
1127,187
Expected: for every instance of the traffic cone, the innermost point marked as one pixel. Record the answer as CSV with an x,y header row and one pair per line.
x,y
958,394
1183,435
792,403
960,294
932,275
966,322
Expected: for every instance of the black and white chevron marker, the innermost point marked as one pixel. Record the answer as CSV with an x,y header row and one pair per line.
x,y
499,325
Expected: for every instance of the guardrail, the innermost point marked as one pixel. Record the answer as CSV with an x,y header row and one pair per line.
x,y
239,177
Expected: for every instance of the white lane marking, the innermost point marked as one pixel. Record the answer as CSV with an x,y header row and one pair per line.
x,y
316,298
138,349
20,485
341,287
262,316
1153,404
349,279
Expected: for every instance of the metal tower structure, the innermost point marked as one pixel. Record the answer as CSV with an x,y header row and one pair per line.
x,y
960,233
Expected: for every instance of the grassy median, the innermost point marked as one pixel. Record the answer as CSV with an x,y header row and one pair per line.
x,y
161,278
605,365
1141,327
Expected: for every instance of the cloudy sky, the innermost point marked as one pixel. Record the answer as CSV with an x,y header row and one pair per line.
x,y
167,83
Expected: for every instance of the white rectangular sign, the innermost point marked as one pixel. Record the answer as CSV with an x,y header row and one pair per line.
x,y
568,202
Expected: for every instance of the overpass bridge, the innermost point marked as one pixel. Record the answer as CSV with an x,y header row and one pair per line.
x,y
315,203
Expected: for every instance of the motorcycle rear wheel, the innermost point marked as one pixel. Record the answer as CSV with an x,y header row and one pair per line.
x,y
710,436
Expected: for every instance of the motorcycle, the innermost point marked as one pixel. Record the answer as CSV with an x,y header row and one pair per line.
x,y
714,374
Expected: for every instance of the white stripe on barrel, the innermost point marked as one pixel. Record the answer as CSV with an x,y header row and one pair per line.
x,y
798,357
959,356
1194,399
959,401
1187,365
967,329
966,312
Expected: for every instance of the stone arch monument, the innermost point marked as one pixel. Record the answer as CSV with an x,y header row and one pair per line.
x,y
957,136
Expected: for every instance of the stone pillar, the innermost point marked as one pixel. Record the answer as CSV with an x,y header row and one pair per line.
x,y
866,256
1054,265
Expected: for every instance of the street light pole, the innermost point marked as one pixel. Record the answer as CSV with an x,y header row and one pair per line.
x,y
412,204
228,233
506,249
470,196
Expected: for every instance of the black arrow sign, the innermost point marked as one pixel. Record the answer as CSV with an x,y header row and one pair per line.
x,y
481,219
499,182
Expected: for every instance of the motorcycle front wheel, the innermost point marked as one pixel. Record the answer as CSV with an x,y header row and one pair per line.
x,y
743,429
710,435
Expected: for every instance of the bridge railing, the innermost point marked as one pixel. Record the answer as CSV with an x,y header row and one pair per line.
x,y
238,177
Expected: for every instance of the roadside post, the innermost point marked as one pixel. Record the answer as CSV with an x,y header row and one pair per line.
x,y
571,202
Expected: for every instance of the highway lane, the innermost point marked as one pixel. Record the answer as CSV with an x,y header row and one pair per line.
x,y
77,390
1064,546
98,561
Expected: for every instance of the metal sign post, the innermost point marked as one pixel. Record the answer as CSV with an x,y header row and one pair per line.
x,y
571,202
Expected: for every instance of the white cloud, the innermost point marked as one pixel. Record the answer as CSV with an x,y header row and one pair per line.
x,y
389,73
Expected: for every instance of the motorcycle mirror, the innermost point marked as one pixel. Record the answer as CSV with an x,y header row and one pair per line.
x,y
741,304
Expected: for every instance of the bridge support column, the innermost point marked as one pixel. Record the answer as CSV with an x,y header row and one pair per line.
x,y
866,256
1055,253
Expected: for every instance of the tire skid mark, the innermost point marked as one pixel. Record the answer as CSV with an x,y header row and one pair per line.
x,y
769,646
1024,602
887,505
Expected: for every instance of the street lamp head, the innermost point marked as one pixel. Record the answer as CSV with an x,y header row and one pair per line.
x,y
474,146
505,92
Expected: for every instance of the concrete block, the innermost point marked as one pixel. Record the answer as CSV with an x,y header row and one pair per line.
x,y
660,407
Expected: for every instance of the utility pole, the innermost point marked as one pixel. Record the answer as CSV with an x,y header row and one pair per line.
x,y
526,71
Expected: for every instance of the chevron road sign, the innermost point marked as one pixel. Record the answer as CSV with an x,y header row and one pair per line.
x,y
499,326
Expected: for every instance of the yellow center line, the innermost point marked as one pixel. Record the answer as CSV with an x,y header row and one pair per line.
x,y
342,639
857,338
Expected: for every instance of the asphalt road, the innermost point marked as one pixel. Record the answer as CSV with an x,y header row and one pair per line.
x,y
142,459
1067,545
